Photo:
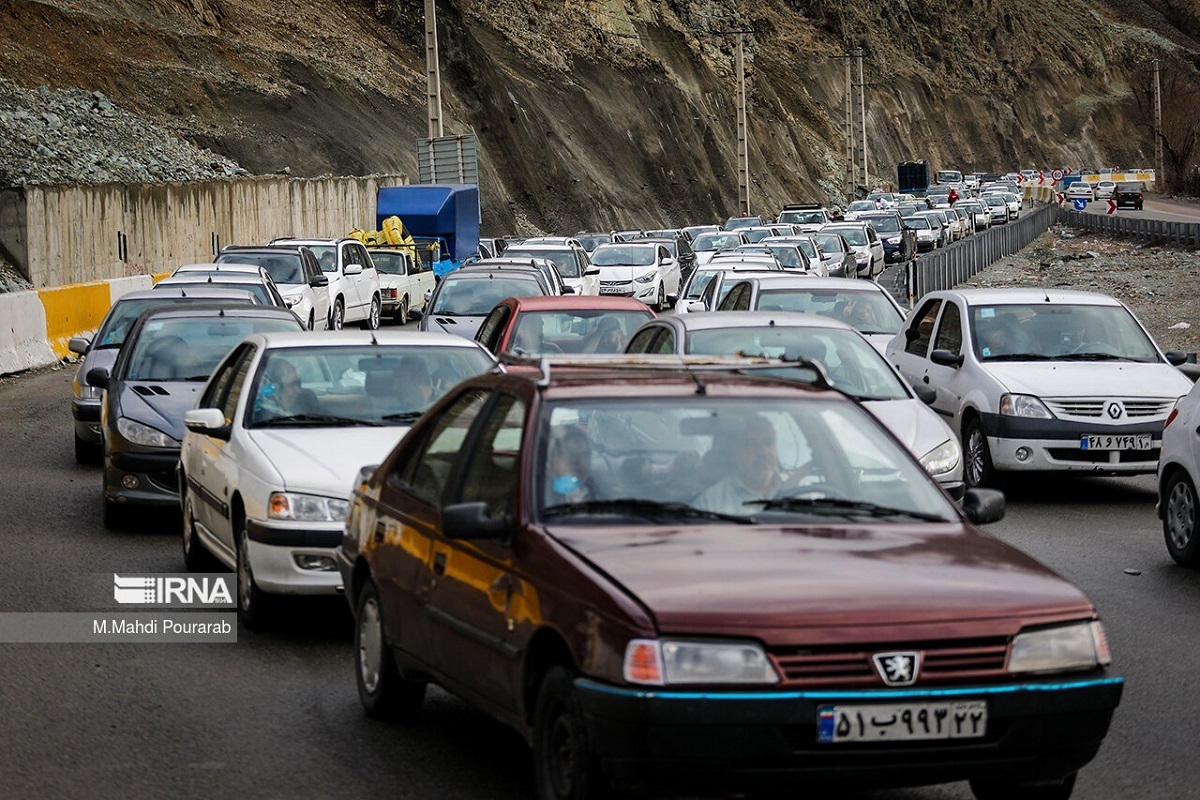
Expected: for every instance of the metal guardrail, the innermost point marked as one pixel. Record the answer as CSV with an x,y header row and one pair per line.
x,y
1152,231
950,266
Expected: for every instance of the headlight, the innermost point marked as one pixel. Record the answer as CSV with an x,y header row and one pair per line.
x,y
942,458
1079,646
649,277
862,257
893,240
662,663
137,433
1023,405
307,507
85,391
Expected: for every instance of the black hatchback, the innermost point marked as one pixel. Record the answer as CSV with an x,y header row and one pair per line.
x,y
1129,195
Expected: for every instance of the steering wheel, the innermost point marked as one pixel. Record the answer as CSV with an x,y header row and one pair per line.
x,y
1096,347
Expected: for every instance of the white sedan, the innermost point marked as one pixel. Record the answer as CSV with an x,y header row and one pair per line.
x,y
279,434
643,270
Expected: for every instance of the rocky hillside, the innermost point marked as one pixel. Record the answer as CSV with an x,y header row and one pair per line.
x,y
589,113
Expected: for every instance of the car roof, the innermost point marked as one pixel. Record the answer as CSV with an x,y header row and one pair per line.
x,y
208,277
550,247
715,320
791,279
1023,296
246,310
515,271
579,301
200,292
293,241
357,338
231,267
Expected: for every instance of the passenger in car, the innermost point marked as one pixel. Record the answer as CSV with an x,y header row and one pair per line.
x,y
755,475
282,393
412,385
569,466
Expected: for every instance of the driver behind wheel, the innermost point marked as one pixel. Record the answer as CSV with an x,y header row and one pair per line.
x,y
756,474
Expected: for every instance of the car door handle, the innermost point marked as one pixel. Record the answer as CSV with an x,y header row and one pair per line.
x,y
439,563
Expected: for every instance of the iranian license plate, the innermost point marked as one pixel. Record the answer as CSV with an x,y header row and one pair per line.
x,y
1126,441
901,722
611,290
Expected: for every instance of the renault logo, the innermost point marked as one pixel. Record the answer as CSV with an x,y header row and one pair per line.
x,y
1115,410
898,669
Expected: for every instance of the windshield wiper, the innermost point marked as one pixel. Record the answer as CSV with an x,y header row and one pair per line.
x,y
1093,357
326,419
650,509
402,416
1019,357
840,505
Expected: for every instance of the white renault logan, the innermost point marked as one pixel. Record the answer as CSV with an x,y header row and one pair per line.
x,y
1041,380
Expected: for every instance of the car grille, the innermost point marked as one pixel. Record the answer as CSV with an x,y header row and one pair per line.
x,y
1080,456
1095,408
616,287
164,480
941,662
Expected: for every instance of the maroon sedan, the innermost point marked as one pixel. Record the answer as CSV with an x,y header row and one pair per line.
x,y
562,324
698,576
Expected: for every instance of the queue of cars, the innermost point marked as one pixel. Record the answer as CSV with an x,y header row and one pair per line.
x,y
664,547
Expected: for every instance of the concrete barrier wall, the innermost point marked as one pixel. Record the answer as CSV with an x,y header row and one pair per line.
x,y
62,236
24,338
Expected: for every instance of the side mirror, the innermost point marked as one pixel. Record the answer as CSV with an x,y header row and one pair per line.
x,y
568,289
80,344
1174,357
592,271
696,307
468,521
319,280
208,421
983,505
97,377
926,394
415,313
946,359
352,269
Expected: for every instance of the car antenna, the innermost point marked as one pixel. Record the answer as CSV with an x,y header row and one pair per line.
x,y
700,387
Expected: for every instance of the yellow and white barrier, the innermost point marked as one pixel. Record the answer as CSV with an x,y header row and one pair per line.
x,y
35,326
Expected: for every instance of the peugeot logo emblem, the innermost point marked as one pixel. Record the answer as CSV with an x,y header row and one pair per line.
x,y
898,669
1115,410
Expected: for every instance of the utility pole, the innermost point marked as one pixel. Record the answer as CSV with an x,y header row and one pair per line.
x,y
850,167
743,139
433,80
862,105
1161,174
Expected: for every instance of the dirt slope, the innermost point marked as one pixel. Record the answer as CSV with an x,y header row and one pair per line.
x,y
599,113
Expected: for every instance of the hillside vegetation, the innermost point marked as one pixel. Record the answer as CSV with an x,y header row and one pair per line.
x,y
601,113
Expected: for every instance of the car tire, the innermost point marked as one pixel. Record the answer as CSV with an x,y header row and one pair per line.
x,y
660,302
371,323
1179,520
253,603
383,692
337,315
977,467
402,312
86,452
1006,790
195,557
564,764
312,320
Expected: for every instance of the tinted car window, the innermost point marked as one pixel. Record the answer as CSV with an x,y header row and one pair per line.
x,y
427,473
476,297
491,469
949,336
919,344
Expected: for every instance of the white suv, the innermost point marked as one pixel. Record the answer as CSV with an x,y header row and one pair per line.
x,y
1041,380
354,294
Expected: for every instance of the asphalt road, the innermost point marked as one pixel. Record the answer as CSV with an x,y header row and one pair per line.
x,y
276,714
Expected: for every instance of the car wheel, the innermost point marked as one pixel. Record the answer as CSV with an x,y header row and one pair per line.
x,y
978,470
195,557
384,694
312,320
402,313
564,766
371,323
1005,790
85,452
1179,520
253,603
337,317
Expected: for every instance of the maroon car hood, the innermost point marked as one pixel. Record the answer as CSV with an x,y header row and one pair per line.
x,y
742,578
